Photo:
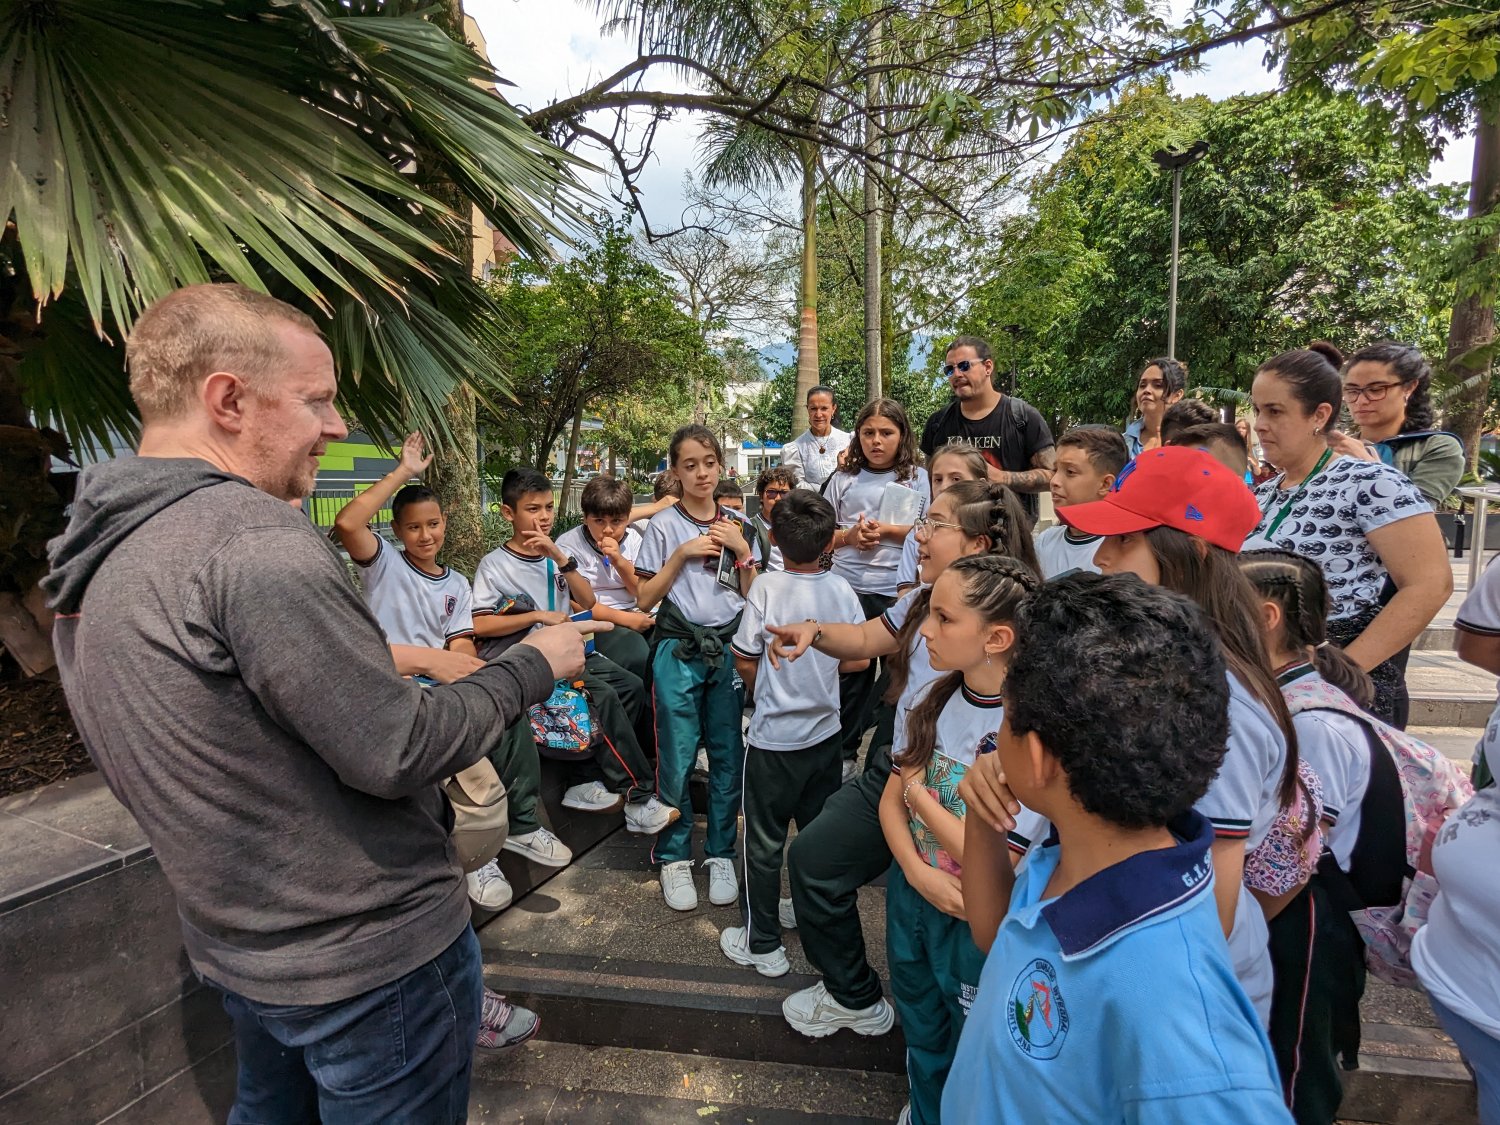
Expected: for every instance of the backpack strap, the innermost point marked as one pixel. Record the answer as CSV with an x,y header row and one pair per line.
x,y
1377,864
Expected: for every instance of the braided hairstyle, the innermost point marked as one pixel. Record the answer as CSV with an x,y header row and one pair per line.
x,y
996,587
1295,583
1410,366
983,509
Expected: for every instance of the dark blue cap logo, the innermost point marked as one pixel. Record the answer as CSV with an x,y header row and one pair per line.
x,y
1194,514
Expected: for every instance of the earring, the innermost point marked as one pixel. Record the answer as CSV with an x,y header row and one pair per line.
x,y
987,658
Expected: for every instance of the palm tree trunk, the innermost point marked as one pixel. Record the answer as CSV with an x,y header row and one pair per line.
x,y
1471,333
807,326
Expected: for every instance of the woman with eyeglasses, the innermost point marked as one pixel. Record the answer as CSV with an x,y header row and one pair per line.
x,y
1386,390
1363,522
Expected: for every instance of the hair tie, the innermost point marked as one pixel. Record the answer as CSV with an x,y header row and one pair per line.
x,y
1321,644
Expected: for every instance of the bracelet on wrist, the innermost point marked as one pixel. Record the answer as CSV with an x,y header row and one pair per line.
x,y
906,791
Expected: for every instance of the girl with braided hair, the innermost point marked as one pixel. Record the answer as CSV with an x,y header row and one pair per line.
x,y
844,848
934,963
1316,951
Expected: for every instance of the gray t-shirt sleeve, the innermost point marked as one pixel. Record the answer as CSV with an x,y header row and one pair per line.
x,y
283,617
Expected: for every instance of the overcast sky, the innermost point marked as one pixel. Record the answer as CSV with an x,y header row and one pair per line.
x,y
551,48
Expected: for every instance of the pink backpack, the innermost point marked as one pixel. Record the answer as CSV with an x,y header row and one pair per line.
x,y
1412,789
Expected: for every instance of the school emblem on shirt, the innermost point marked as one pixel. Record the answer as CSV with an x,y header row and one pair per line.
x,y
1037,1016
450,603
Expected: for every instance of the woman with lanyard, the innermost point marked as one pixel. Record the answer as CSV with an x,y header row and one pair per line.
x,y
1363,522
1385,386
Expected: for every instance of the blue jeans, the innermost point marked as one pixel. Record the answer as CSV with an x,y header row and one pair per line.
x,y
399,1053
1481,1051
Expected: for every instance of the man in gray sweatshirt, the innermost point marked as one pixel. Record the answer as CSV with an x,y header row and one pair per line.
x,y
240,700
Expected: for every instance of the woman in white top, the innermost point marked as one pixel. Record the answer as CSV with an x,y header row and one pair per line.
x,y
1457,954
1364,523
817,451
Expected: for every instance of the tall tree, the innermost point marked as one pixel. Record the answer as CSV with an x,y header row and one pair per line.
x,y
1308,219
1430,67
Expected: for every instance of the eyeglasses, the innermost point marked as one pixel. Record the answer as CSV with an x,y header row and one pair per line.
x,y
776,493
1374,391
962,365
929,525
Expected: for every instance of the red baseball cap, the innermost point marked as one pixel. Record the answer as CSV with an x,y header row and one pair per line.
x,y
1172,487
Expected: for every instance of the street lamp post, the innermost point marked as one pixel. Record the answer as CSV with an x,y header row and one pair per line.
x,y
1174,161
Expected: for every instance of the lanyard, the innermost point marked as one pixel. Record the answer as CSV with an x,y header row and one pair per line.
x,y
1286,508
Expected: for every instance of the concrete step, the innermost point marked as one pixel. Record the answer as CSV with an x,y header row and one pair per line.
x,y
607,963
1446,692
1440,638
550,1081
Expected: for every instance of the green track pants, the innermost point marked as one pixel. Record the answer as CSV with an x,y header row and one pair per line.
x,y
935,969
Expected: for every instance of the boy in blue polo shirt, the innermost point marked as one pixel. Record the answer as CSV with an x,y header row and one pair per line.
x,y
1108,994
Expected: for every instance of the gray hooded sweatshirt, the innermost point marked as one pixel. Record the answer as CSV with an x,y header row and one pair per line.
x,y
240,700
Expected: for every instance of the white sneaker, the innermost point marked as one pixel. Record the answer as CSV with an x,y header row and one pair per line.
x,y
592,797
723,887
541,847
851,770
786,915
650,816
488,887
735,943
677,885
813,1012
905,1118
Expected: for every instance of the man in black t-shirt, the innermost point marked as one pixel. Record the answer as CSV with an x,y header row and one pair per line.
x,y
1008,431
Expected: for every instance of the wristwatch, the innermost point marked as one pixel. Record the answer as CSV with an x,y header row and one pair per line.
x,y
568,567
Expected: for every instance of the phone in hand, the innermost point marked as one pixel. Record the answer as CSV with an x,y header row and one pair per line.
x,y
588,638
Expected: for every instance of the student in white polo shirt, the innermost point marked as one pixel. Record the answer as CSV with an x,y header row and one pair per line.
x,y
793,762
605,547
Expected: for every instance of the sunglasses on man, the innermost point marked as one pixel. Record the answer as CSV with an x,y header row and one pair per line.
x,y
962,365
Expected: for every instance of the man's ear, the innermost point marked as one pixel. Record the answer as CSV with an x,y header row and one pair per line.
x,y
223,395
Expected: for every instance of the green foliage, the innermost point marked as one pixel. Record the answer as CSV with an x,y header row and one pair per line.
x,y
149,144
1309,219
600,333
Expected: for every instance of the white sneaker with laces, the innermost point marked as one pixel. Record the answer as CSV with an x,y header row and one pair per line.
x,y
650,816
541,847
677,885
815,1013
851,770
786,915
592,797
488,887
735,942
723,887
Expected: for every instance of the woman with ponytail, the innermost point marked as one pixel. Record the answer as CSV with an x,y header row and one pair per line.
x,y
934,963
844,849
1318,954
1177,519
1364,523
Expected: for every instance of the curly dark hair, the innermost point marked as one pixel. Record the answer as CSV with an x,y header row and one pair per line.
x,y
1124,685
1410,366
907,457
982,508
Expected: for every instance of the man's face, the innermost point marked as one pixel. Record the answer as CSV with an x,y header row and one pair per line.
x,y
289,418
820,414
976,382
